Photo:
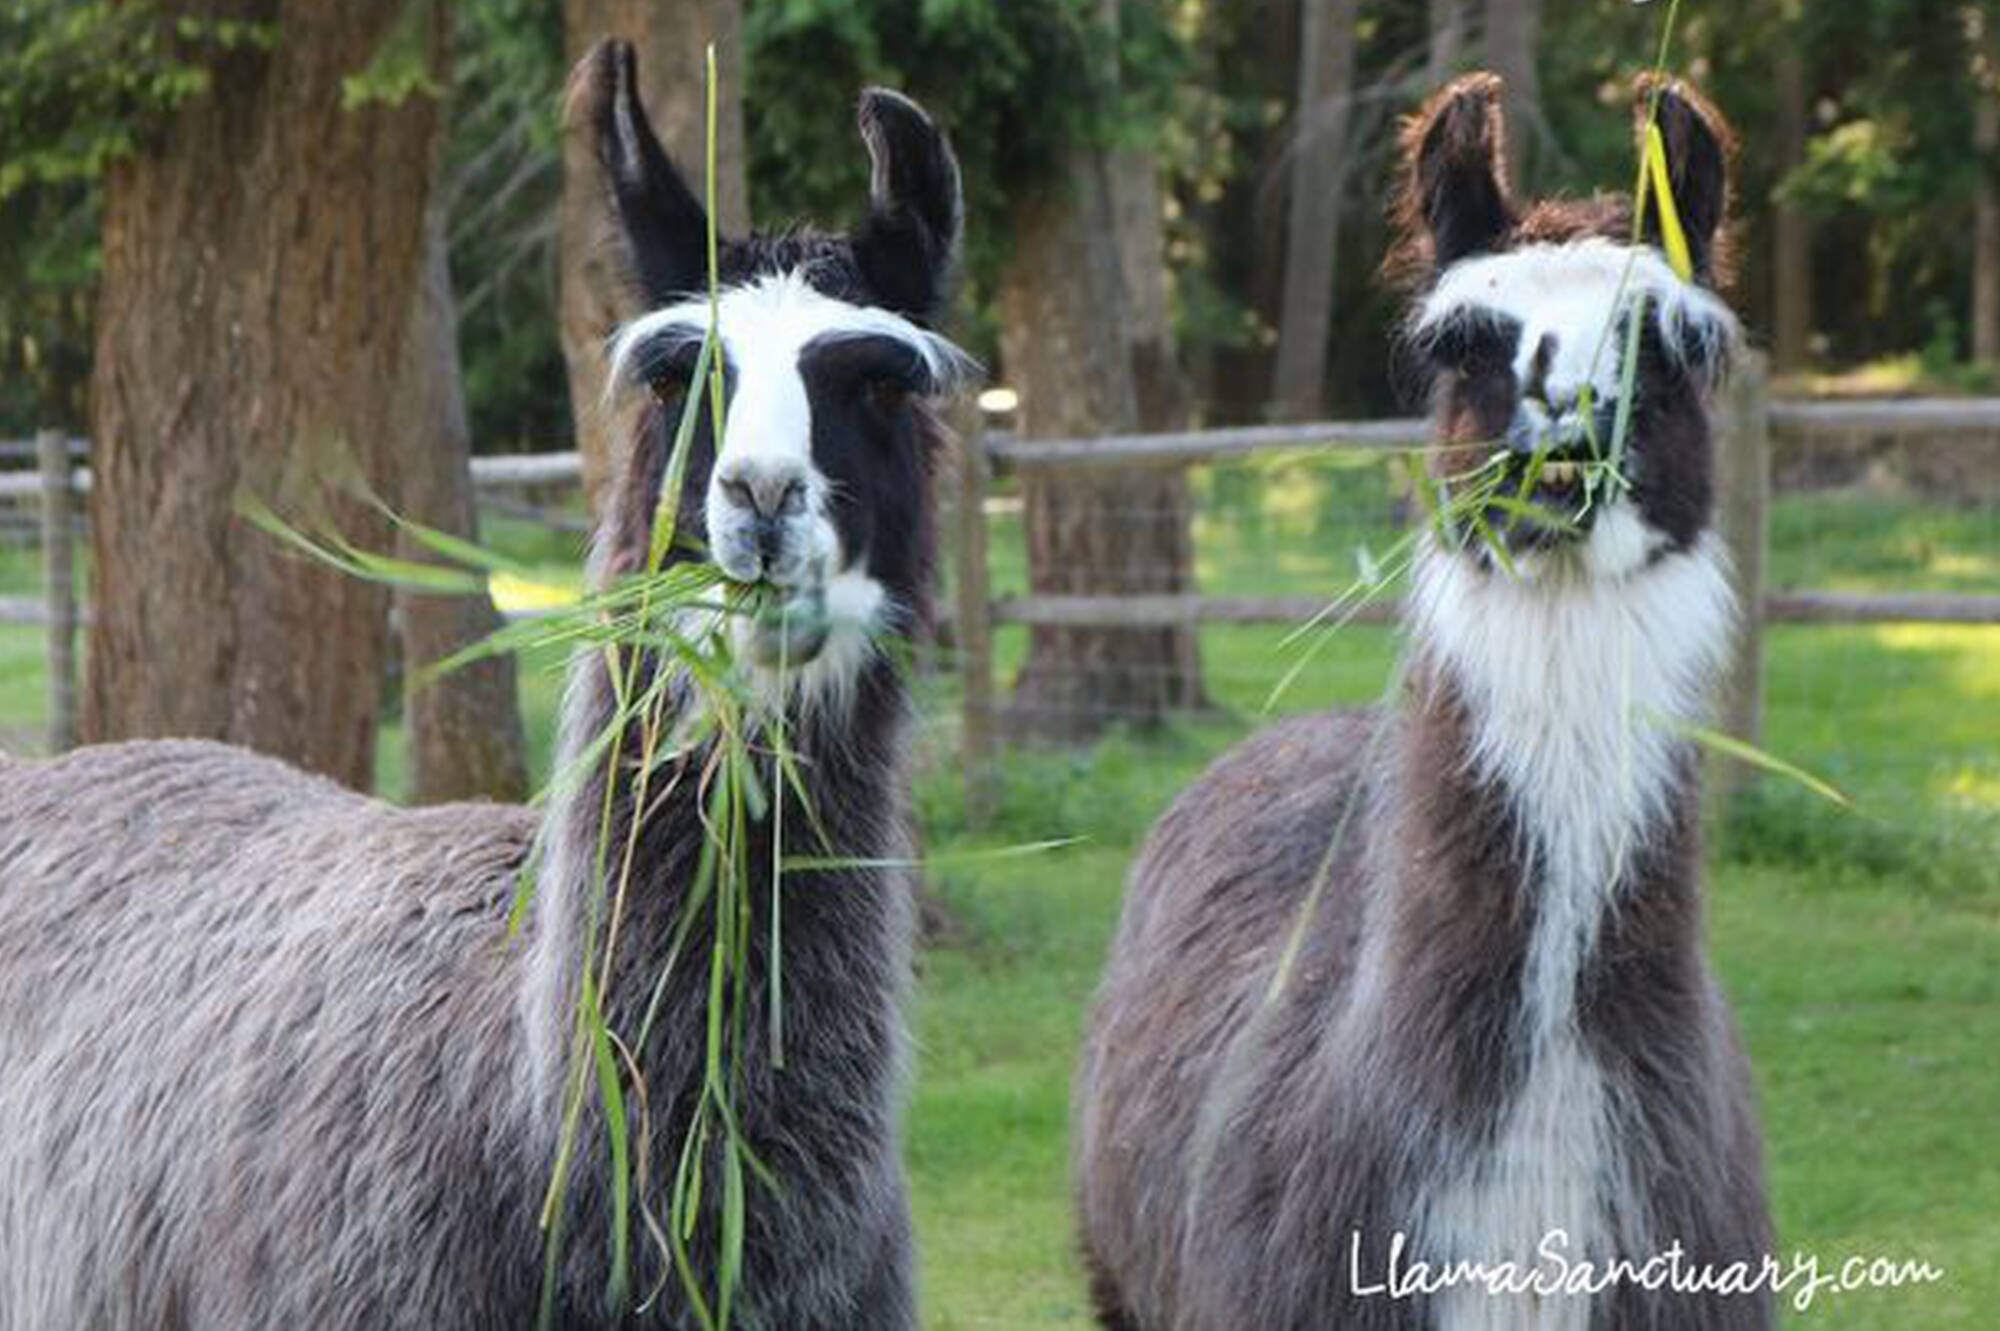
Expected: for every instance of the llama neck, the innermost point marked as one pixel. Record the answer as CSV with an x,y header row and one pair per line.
x,y
1576,689
849,757
1540,776
1542,933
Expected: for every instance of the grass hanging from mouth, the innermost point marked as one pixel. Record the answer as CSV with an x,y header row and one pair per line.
x,y
1455,508
686,721
722,722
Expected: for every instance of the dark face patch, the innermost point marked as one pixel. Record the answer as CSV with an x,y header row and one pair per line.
x,y
1671,465
1513,409
1542,443
874,441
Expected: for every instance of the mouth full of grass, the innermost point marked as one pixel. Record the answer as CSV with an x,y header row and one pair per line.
x,y
1547,498
789,626
1526,499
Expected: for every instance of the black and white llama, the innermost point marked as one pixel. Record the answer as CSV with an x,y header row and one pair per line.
x,y
1496,1036
268,1056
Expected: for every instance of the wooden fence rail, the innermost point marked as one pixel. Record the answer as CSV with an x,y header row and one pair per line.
x,y
1749,422
508,472
1158,611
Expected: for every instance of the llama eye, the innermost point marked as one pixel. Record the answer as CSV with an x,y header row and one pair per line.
x,y
1471,343
886,395
1466,349
669,389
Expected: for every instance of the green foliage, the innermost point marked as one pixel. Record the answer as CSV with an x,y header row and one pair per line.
x,y
81,82
402,65
1015,82
503,183
1889,172
1207,87
1861,162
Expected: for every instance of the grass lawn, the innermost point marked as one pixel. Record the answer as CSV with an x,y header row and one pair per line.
x,y
1862,948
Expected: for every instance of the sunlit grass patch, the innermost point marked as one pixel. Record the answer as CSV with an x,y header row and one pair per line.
x,y
515,595
1972,652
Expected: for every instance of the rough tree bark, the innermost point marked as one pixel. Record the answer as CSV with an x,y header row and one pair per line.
x,y
1159,383
672,37
1986,201
1512,28
1139,221
1791,231
463,737
1312,230
1450,31
1062,339
258,254
1088,343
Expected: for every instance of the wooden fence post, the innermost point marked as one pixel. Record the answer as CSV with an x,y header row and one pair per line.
x,y
59,585
972,625
1743,504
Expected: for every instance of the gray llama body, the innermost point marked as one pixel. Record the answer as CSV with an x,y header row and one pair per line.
x,y
246,1018
1242,1162
1488,1039
269,1057
265,1060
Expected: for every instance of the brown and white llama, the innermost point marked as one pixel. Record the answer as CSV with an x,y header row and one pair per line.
x,y
1494,1038
268,1055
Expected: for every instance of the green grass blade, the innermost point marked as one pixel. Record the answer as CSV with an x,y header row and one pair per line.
x,y
1744,751
619,1145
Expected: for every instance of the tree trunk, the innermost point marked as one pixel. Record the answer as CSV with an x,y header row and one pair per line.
x,y
1087,339
1139,220
672,37
1159,384
1312,230
1450,34
258,256
1255,50
1062,339
1986,201
1791,232
1512,27
462,733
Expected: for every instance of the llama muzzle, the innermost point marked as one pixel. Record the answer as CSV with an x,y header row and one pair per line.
x,y
790,625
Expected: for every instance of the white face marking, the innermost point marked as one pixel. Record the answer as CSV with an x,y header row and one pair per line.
x,y
1573,294
1573,685
764,327
1569,299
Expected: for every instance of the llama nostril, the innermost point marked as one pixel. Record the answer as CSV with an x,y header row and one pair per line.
x,y
770,536
1537,387
764,495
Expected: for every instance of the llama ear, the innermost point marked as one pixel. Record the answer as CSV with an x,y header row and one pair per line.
x,y
907,247
1698,144
1455,188
662,224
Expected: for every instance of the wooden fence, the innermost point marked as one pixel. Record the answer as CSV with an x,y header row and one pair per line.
x,y
60,484
1749,422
